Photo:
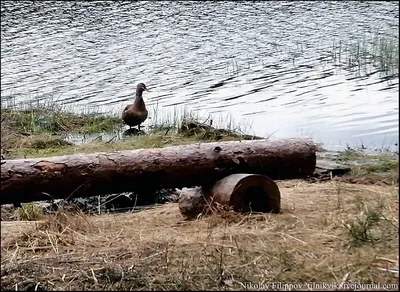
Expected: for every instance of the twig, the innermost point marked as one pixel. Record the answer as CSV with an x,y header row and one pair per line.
x,y
99,207
299,240
51,242
388,260
109,141
94,277
396,272
249,263
343,280
36,248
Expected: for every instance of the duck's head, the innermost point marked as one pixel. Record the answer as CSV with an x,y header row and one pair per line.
x,y
141,87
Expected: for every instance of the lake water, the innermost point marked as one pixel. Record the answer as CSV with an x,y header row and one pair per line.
x,y
283,68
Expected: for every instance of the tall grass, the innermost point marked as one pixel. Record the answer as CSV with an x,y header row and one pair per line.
x,y
381,51
48,116
174,120
43,129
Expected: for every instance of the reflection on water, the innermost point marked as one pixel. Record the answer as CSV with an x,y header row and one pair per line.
x,y
287,68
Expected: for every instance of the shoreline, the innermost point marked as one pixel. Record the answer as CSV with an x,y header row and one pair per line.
x,y
37,127
38,132
352,214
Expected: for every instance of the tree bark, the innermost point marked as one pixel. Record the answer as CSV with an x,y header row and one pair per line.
x,y
141,170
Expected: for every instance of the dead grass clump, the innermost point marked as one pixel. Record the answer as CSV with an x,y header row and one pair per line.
x,y
42,142
28,212
156,249
191,127
56,231
66,218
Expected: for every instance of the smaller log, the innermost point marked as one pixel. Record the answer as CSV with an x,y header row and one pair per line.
x,y
247,192
194,202
242,192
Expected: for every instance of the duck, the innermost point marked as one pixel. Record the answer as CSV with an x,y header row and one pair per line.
x,y
135,114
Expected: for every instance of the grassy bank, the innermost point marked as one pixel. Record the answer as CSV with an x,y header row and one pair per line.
x,y
41,131
331,232
371,168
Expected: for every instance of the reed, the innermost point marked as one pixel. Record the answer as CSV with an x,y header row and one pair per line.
x,y
381,50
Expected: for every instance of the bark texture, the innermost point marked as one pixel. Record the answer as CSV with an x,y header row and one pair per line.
x,y
146,170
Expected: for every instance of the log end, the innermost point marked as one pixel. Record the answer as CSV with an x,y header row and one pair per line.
x,y
256,193
241,192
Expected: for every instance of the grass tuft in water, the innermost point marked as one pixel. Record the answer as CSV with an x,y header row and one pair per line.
x,y
47,120
382,51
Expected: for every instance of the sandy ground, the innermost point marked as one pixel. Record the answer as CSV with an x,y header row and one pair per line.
x,y
310,241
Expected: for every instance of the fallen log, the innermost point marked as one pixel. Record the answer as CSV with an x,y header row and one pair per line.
x,y
241,191
146,170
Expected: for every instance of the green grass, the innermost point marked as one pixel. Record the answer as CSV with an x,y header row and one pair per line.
x,y
383,166
370,225
29,212
154,140
370,163
44,120
349,155
39,131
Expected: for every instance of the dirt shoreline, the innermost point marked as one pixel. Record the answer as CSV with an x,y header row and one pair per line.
x,y
337,226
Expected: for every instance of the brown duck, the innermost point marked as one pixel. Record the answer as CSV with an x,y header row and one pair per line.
x,y
136,113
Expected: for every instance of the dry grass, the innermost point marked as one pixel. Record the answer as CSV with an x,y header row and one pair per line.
x,y
315,239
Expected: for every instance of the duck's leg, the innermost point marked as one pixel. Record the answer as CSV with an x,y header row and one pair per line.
x,y
139,127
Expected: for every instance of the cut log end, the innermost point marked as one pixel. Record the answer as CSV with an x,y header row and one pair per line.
x,y
241,192
247,192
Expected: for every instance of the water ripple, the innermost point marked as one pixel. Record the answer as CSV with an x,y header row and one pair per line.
x,y
278,71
